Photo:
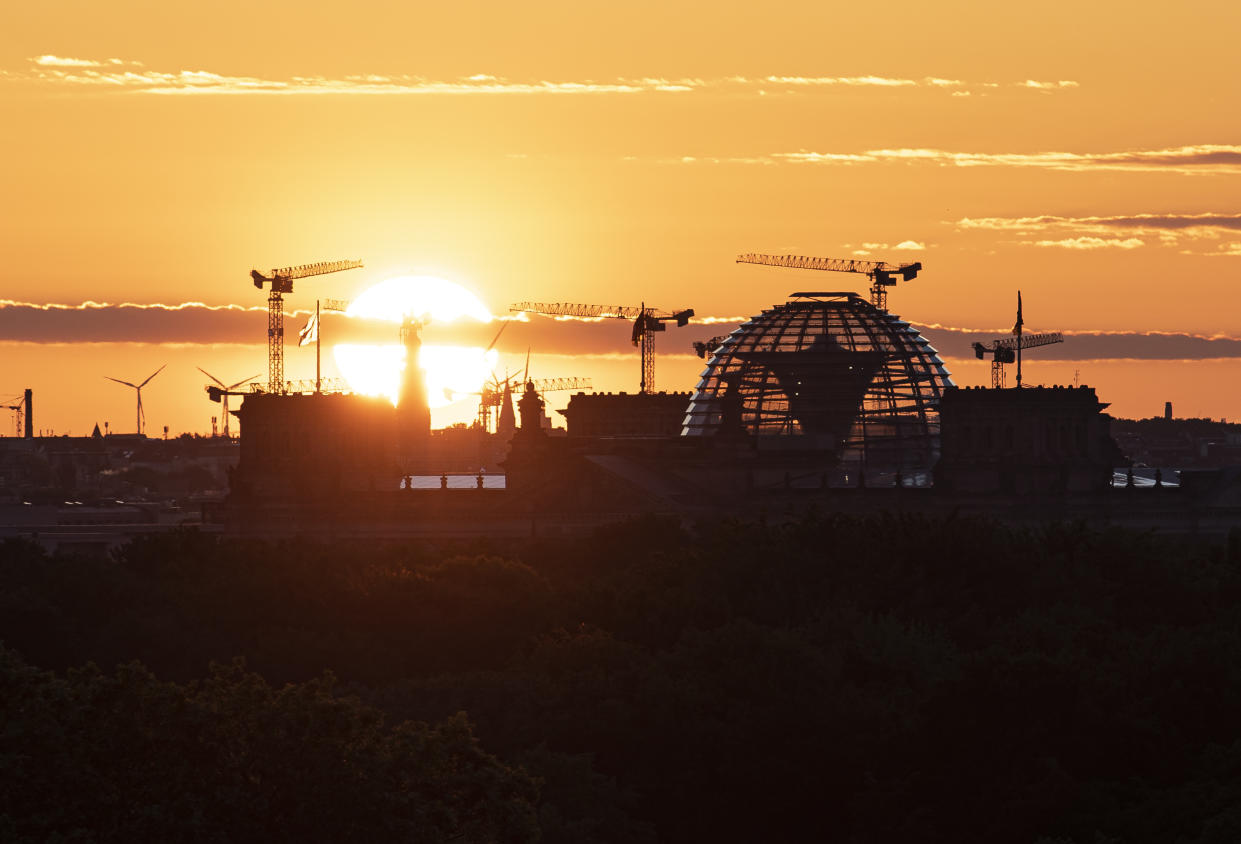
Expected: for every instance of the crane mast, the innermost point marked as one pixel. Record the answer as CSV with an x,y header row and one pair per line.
x,y
882,274
281,282
646,321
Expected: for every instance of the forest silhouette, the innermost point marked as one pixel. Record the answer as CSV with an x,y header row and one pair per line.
x,y
830,678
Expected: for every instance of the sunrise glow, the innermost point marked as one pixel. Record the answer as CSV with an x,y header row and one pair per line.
x,y
418,297
1000,148
452,373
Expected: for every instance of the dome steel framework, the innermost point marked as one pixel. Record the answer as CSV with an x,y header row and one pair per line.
x,y
827,372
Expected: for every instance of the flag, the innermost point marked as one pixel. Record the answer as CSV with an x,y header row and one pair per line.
x,y
1020,322
310,332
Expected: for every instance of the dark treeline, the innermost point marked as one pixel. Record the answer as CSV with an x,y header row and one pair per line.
x,y
879,679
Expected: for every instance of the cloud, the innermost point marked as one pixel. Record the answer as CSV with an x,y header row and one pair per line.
x,y
1232,250
1096,232
1195,159
58,61
874,81
188,322
954,342
1146,223
904,246
1047,86
118,75
1093,243
193,323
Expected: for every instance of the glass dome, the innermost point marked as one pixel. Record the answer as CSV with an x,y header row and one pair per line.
x,y
827,372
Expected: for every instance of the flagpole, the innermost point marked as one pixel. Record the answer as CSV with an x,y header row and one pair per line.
x,y
319,381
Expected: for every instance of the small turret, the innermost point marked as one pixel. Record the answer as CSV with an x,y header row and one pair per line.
x,y
530,406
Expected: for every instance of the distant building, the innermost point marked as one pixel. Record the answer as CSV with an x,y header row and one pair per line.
x,y
626,414
1033,440
462,448
302,445
1184,443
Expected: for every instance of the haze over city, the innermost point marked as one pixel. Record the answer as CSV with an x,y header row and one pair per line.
x,y
621,156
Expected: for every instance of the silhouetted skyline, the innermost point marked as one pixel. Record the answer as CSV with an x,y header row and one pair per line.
x,y
1001,148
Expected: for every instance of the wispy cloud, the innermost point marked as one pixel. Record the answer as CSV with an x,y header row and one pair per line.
x,y
1144,223
1195,159
1048,86
193,323
1098,232
873,81
902,82
864,249
119,75
1232,250
956,342
128,322
58,61
91,305
1093,243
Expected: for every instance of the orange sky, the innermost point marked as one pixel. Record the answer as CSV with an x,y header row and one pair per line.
x,y
1088,154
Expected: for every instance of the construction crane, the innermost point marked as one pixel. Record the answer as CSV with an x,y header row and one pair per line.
x,y
1005,351
702,348
492,395
281,282
141,417
646,321
17,413
224,393
882,275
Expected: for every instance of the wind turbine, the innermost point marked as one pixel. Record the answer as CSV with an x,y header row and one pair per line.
x,y
225,392
138,388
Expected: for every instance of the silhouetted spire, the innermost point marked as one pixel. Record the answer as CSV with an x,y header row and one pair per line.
x,y
413,411
507,423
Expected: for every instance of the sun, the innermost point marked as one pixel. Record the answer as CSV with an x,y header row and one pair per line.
x,y
418,296
452,373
